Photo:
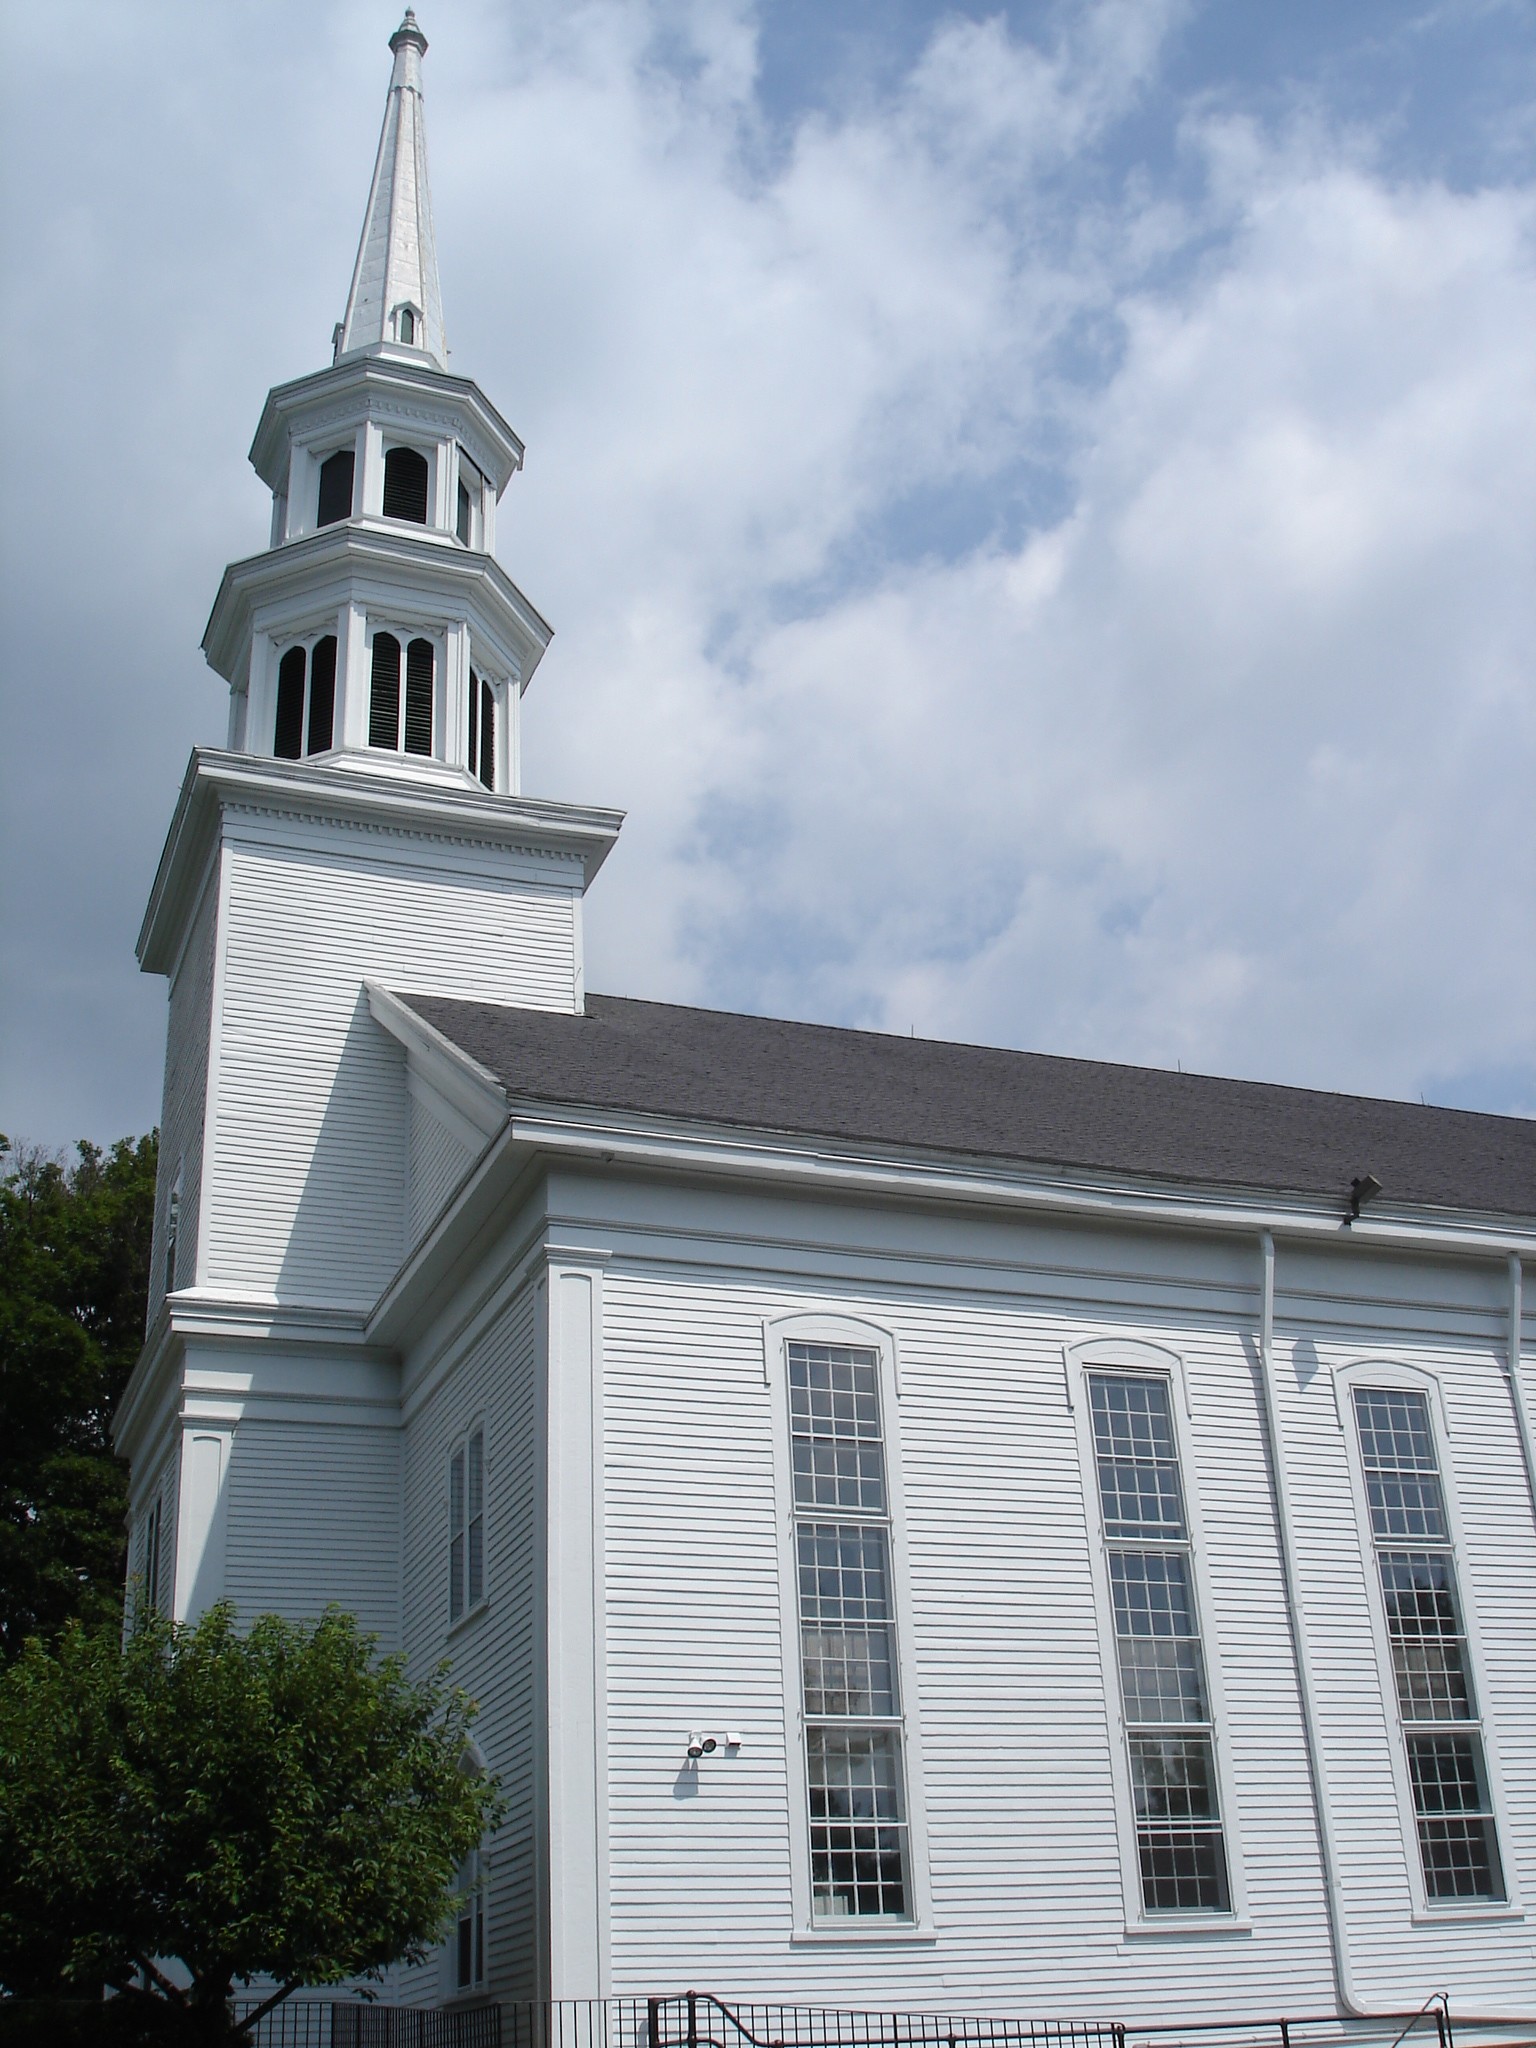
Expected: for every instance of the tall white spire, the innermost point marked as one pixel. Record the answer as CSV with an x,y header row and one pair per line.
x,y
395,297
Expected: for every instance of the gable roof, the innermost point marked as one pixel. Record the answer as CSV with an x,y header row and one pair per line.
x,y
817,1080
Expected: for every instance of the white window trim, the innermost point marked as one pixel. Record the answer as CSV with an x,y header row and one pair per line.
x,y
472,1763
1140,1359
1425,1911
460,1444
819,1328
431,630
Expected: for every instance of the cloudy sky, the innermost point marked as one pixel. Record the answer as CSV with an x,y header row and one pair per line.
x,y
1037,502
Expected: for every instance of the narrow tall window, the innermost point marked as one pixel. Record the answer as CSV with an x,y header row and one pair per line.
x,y
1180,1851
407,326
466,1526
384,694
418,697
172,1231
149,1561
336,476
482,730
469,1924
288,734
322,695
405,485
466,513
1437,1703
850,1688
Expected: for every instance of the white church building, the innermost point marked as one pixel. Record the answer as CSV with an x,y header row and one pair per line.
x,y
930,1528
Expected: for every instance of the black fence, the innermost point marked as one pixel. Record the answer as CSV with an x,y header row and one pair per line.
x,y
697,2020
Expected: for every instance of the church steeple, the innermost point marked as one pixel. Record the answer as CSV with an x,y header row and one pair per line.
x,y
396,299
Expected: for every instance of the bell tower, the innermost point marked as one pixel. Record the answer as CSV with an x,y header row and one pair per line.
x,y
362,830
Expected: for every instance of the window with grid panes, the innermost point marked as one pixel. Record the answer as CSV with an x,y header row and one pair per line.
x,y
850,1688
1181,1853
466,1526
1436,1700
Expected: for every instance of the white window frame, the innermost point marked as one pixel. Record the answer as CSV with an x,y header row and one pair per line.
x,y
1138,1358
404,634
458,1570
832,1328
172,1244
1394,1374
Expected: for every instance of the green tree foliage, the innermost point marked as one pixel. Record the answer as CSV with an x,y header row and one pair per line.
x,y
74,1267
277,1804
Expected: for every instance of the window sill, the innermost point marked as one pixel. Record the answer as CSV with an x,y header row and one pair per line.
x,y
1194,1923
1459,1913
467,1621
861,1937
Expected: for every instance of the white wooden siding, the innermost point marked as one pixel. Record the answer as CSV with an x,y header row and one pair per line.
x,y
313,1517
184,1101
310,1141
439,1159
495,1652
1018,1709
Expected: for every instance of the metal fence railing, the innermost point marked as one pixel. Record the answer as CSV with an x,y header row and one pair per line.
x,y
699,2020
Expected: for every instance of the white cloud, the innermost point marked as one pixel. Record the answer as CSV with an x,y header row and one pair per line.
x,y
1226,759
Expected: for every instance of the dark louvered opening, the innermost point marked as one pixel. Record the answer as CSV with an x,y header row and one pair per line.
x,y
405,485
487,736
322,694
418,697
384,696
466,514
336,487
288,739
474,721
408,327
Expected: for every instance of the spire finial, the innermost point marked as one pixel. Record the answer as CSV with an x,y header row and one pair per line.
x,y
395,300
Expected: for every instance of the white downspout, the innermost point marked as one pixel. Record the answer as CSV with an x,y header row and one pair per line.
x,y
1516,1383
1300,1654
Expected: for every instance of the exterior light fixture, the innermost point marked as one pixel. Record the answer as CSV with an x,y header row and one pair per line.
x,y
1365,1187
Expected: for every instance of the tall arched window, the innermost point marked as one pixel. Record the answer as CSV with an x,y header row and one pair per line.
x,y
288,737
294,734
322,695
336,473
384,696
405,485
407,326
418,697
482,730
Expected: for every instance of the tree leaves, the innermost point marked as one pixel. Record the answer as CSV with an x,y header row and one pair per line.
x,y
280,1803
74,1262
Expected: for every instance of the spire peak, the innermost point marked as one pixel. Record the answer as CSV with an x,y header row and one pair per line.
x,y
396,300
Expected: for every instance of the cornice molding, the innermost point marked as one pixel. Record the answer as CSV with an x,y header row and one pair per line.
x,y
355,386
360,559
218,783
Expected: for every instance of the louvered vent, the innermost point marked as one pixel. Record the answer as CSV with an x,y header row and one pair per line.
x,y
322,694
405,485
288,738
466,514
418,697
336,488
487,736
384,696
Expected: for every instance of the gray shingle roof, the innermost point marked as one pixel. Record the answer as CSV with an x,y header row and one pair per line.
x,y
716,1067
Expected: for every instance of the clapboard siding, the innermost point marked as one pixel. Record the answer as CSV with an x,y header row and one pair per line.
x,y
1008,1666
490,1381
1015,1691
314,1520
439,1159
184,1103
1484,1965
310,1146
